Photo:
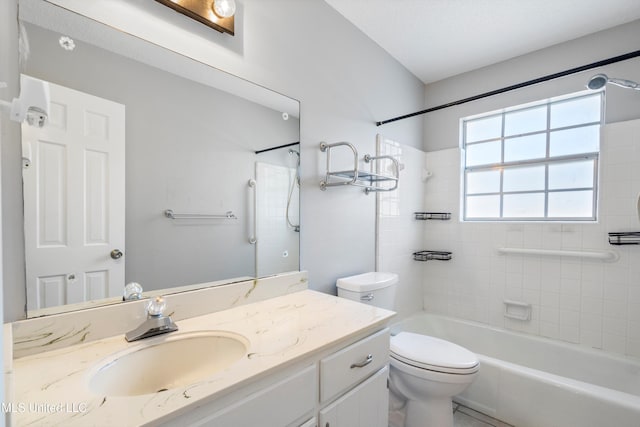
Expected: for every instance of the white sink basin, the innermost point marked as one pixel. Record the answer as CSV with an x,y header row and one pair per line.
x,y
174,360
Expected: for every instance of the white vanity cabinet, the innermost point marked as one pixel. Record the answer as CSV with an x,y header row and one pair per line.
x,y
353,384
340,387
286,399
367,405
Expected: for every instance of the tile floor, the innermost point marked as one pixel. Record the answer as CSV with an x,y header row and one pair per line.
x,y
467,417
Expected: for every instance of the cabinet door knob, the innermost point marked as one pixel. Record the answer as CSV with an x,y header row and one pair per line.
x,y
364,363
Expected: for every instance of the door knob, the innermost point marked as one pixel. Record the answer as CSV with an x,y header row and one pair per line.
x,y
116,254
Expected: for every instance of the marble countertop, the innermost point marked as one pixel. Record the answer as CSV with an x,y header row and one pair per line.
x,y
51,388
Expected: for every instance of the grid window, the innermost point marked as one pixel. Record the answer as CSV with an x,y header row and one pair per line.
x,y
534,163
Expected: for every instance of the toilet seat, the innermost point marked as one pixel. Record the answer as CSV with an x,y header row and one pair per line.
x,y
433,354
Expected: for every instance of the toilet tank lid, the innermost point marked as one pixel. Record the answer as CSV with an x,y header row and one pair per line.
x,y
367,281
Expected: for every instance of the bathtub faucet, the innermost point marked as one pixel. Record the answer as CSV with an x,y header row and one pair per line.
x,y
155,324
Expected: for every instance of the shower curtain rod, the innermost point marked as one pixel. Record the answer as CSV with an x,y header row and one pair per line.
x,y
608,61
279,146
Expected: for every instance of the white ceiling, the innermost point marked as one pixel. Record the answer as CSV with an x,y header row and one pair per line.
x,y
436,39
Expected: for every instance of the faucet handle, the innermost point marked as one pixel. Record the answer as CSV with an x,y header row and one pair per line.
x,y
132,291
156,306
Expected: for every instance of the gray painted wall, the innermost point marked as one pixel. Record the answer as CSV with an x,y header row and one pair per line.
x,y
344,81
7,133
441,128
14,297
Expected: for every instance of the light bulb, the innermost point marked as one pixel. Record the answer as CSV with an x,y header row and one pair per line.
x,y
224,8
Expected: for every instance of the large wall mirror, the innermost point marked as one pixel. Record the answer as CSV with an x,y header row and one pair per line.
x,y
154,168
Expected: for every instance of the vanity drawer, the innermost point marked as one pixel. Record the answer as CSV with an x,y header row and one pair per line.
x,y
346,368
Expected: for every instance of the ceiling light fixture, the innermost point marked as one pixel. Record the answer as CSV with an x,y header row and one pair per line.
x,y
217,14
67,43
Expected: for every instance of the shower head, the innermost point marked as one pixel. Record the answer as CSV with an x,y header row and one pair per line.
x,y
292,151
600,80
597,82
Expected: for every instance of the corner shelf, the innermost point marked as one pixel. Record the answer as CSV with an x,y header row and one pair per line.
x,y
432,255
443,216
625,238
370,181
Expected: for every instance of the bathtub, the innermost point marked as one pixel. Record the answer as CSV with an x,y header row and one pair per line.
x,y
529,381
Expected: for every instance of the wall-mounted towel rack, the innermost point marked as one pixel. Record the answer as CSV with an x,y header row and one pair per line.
x,y
432,215
169,213
625,238
600,255
432,256
370,181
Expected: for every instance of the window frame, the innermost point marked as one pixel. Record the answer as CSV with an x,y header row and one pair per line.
x,y
546,161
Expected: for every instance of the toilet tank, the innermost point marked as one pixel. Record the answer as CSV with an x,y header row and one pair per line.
x,y
374,288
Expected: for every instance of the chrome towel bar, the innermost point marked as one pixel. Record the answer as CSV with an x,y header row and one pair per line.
x,y
169,213
600,255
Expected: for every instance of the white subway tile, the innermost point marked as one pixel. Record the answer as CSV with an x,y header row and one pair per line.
x,y
592,305
593,289
614,343
570,302
550,299
570,286
591,322
613,325
549,330
591,339
633,348
615,309
633,312
551,284
569,333
616,292
549,315
633,331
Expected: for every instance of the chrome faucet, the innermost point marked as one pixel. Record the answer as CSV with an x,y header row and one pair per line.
x,y
157,323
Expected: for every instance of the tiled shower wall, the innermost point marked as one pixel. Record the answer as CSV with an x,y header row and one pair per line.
x,y
398,234
592,303
277,246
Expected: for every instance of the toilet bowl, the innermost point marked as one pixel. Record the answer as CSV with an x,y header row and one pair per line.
x,y
426,372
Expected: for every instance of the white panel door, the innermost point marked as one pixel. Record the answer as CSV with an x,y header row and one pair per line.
x,y
73,178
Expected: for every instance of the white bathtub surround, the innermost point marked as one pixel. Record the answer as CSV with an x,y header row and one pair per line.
x,y
279,331
398,232
531,381
277,241
591,302
61,330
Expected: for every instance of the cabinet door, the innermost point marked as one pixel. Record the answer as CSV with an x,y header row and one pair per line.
x,y
367,405
343,369
280,404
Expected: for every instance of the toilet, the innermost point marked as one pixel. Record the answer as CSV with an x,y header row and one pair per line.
x,y
426,372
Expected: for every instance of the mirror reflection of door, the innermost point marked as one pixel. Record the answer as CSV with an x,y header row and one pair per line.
x,y
74,201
